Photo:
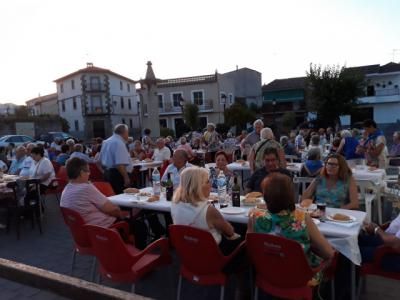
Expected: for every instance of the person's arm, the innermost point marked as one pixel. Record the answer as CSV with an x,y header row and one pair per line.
x,y
319,243
250,184
341,145
251,159
111,209
388,239
122,170
376,151
217,221
310,191
282,158
353,195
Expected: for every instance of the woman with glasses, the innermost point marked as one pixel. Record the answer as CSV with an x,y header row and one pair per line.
x,y
221,164
335,186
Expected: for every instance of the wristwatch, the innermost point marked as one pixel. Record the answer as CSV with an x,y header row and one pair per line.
x,y
376,230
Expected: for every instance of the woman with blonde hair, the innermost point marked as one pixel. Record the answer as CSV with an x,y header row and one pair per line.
x,y
190,207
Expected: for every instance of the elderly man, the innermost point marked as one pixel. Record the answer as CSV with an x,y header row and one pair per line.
x,y
115,159
161,152
186,146
271,164
254,136
28,161
299,141
256,157
17,164
180,161
78,152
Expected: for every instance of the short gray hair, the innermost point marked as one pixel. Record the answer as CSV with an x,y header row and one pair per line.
x,y
345,133
284,140
266,133
258,121
78,148
120,128
314,154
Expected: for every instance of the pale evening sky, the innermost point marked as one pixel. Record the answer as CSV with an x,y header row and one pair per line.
x,y
42,40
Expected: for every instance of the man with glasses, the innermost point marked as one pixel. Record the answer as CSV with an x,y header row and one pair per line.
x,y
271,164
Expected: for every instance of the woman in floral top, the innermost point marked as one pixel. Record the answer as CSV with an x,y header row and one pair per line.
x,y
281,218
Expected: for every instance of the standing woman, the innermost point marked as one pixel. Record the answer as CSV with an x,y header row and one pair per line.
x,y
212,141
335,186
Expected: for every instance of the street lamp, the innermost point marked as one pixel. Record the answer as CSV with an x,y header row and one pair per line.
x,y
223,101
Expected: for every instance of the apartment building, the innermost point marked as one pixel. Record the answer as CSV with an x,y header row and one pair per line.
x,y
43,105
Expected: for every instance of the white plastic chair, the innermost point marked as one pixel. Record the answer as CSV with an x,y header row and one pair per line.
x,y
368,193
303,183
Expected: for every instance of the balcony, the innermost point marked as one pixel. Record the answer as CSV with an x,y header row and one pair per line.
x,y
382,96
96,110
168,108
95,88
387,92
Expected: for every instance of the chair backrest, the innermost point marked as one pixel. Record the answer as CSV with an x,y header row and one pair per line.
x,y
365,187
164,167
197,249
56,166
95,173
76,224
279,261
291,158
110,250
62,173
104,187
301,184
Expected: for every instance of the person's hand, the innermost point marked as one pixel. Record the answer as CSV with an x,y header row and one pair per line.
x,y
127,181
370,228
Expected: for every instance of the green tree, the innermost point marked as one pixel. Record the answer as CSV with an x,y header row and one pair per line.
x,y
191,115
238,115
22,111
288,121
333,91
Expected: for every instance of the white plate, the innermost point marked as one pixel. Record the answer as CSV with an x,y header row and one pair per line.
x,y
352,219
258,201
232,210
316,221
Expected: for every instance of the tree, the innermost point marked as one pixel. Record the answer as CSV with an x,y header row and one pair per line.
x,y
333,91
288,121
238,115
22,111
191,115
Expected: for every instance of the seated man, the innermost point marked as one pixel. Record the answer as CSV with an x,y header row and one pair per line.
x,y
161,153
63,156
376,237
180,161
17,164
78,152
271,164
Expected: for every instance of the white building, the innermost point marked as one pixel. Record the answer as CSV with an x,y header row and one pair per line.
x,y
43,105
7,109
93,100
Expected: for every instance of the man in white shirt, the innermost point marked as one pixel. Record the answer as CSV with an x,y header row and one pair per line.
x,y
115,159
161,153
180,162
28,161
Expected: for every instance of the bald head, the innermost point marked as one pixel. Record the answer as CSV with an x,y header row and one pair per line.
x,y
122,130
180,158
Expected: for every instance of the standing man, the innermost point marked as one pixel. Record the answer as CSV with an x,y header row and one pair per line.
x,y
115,159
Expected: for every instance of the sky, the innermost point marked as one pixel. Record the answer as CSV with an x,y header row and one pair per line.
x,y
42,40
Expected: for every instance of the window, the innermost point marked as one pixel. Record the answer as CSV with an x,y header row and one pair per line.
x,y
95,83
230,99
130,123
74,103
62,105
176,99
76,125
129,104
61,88
128,87
96,104
123,121
198,97
121,85
122,102
72,84
163,123
160,100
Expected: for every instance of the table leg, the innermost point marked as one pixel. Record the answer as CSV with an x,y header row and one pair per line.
x,y
353,281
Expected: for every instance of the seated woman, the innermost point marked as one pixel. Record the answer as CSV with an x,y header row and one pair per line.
x,y
282,219
221,164
137,151
313,164
190,207
84,198
336,185
63,156
42,168
375,236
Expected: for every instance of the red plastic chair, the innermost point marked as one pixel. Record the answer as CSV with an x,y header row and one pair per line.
x,y
58,184
56,166
104,187
374,267
82,244
282,269
95,173
120,262
202,261
164,167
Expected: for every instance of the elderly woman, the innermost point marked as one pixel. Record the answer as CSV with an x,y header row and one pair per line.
x,y
313,164
212,140
42,168
137,151
282,219
184,145
221,164
190,207
256,157
335,186
348,145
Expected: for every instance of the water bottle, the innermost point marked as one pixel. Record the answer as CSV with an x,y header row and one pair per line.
x,y
221,183
155,178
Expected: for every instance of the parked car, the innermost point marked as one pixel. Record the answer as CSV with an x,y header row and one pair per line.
x,y
16,139
52,135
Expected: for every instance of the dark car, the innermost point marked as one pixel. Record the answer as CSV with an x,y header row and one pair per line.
x,y
52,135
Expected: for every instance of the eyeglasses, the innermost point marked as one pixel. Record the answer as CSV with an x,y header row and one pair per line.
x,y
331,164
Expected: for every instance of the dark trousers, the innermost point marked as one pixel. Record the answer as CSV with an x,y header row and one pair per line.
x,y
114,177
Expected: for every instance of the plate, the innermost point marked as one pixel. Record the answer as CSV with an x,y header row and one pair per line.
x,y
352,219
316,221
311,208
232,210
258,201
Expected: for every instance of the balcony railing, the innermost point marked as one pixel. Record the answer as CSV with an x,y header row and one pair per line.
x,y
169,108
387,92
96,110
95,88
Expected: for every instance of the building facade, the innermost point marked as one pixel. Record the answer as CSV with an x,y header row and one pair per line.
x,y
93,100
43,105
7,109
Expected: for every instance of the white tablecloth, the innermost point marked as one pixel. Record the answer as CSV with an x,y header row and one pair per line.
x,y
377,176
235,166
147,164
342,238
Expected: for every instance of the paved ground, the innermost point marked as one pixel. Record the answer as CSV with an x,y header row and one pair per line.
x,y
52,251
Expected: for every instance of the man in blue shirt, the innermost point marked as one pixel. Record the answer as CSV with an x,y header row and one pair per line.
x,y
18,162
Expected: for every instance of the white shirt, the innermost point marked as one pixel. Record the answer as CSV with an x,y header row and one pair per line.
x,y
114,152
394,227
162,154
3,166
175,173
42,167
26,166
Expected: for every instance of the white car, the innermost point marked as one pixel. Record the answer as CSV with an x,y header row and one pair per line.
x,y
16,139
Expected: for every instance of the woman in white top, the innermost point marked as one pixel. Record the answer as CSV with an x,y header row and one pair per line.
x,y
42,168
190,207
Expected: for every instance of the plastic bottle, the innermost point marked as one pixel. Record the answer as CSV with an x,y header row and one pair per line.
x,y
235,192
221,183
155,177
